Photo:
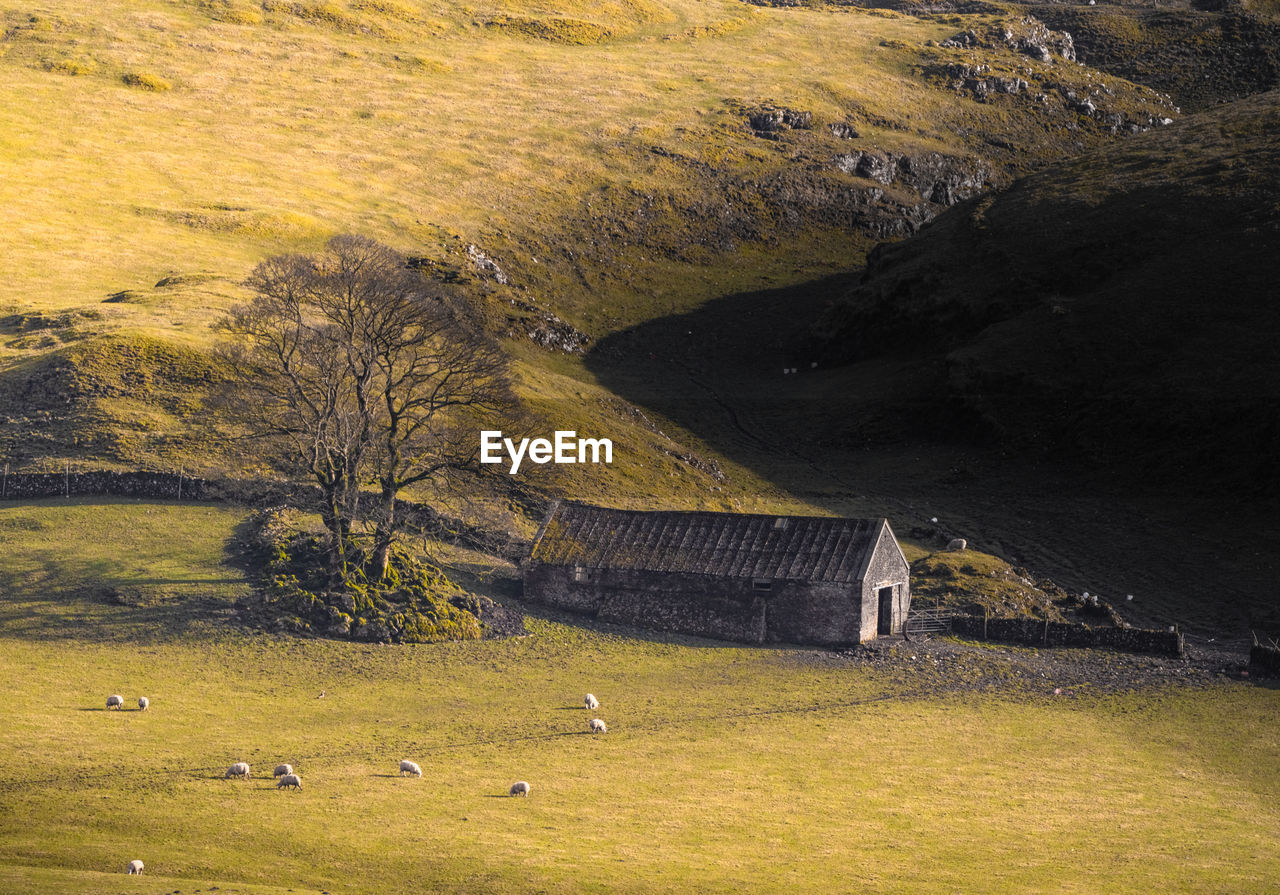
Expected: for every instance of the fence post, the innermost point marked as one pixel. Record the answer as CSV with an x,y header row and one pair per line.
x,y
4,483
180,469
986,614
66,479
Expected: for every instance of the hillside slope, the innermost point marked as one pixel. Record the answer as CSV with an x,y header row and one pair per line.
x,y
1119,310
576,167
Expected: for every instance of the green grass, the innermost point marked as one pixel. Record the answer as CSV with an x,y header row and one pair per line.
x,y
136,570
728,769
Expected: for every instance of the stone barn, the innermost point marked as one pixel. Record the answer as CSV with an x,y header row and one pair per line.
x,y
731,576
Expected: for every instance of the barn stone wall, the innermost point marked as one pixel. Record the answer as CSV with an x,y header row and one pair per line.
x,y
821,614
727,609
888,568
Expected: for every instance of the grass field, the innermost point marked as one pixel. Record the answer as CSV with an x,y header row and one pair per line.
x,y
152,152
725,769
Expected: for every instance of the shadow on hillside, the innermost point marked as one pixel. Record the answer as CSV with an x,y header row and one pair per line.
x,y
880,438
81,620
107,608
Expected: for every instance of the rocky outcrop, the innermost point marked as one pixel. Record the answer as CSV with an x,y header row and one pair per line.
x,y
485,265
544,328
1027,35
938,179
1200,55
978,80
1061,96
767,121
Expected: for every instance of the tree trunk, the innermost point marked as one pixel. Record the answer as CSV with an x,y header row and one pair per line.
x,y
383,534
337,526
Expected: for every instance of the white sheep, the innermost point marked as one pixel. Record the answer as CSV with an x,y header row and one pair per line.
x,y
143,702
115,701
282,769
239,769
520,788
591,703
289,780
408,767
135,867
598,726
957,544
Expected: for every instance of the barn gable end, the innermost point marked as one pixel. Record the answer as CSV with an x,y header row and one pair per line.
x,y
743,577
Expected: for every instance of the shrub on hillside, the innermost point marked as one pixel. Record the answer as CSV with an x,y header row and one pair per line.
x,y
73,67
146,80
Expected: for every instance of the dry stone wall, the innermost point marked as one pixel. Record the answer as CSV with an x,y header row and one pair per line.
x,y
252,492
1036,632
1264,660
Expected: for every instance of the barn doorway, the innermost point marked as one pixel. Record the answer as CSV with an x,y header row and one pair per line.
x,y
886,610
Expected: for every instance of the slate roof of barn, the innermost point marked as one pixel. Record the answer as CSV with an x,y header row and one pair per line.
x,y
730,545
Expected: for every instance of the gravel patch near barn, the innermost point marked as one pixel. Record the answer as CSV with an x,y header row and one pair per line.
x,y
942,665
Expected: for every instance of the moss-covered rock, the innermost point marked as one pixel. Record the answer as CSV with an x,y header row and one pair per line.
x,y
415,603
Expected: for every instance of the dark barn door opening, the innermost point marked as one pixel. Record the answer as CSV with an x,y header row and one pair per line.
x,y
886,611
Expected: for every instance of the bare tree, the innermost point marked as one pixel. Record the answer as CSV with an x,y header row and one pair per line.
x,y
365,374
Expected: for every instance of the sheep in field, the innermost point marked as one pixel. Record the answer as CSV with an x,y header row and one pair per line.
x,y
290,780
143,702
282,769
135,867
115,701
239,769
520,788
408,767
598,726
956,545
591,703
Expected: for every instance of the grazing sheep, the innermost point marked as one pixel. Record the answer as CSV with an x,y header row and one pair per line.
x,y
408,767
115,701
143,702
289,780
135,867
239,769
282,769
597,726
520,788
591,703
956,545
